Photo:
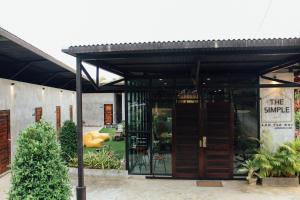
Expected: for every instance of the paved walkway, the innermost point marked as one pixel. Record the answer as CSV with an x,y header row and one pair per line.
x,y
139,188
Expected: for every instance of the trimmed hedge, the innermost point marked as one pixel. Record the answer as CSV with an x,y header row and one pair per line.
x,y
68,140
38,171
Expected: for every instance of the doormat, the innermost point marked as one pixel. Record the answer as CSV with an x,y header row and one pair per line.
x,y
209,183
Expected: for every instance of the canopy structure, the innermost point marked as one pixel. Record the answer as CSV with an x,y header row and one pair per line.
x,y
21,61
180,58
189,60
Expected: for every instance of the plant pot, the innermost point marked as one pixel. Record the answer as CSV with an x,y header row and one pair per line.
x,y
281,181
252,181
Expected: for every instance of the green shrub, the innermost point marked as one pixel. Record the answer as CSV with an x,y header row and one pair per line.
x,y
68,140
284,162
297,120
104,159
38,171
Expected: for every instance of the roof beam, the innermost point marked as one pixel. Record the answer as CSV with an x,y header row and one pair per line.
x,y
280,81
89,77
113,82
68,82
8,57
24,68
280,65
53,76
107,67
97,75
260,52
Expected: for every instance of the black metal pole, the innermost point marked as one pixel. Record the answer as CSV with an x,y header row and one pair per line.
x,y
97,76
81,190
126,125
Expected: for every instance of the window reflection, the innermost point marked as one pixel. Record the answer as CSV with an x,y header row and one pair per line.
x,y
246,125
162,140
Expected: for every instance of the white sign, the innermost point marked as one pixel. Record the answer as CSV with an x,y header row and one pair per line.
x,y
277,114
276,108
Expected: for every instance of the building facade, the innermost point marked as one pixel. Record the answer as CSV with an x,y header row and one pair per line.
x,y
27,103
197,109
103,109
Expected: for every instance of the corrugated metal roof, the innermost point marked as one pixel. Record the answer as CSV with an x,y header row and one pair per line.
x,y
184,45
23,62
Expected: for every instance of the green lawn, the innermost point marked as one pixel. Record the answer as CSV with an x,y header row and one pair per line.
x,y
117,146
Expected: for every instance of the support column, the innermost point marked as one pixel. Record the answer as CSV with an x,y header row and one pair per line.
x,y
80,189
126,125
97,76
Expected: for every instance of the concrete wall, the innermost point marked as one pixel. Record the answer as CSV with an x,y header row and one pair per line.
x,y
93,108
22,99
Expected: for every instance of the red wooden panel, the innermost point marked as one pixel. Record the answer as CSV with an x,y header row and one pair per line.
x,y
108,114
218,155
38,114
5,141
185,140
58,118
71,112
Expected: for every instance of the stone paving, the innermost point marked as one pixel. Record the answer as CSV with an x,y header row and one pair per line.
x,y
139,188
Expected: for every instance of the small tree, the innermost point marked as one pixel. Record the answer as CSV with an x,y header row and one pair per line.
x,y
68,140
38,171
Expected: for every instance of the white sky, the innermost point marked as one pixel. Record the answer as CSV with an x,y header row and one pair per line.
x,y
52,25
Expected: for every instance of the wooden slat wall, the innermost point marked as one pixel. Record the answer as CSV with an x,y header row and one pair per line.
x,y
218,155
38,114
185,141
108,114
58,118
4,141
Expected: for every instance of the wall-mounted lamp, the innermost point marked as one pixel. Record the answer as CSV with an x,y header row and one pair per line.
x,y
12,89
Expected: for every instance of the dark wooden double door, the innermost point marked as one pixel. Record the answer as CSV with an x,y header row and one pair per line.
x,y
203,141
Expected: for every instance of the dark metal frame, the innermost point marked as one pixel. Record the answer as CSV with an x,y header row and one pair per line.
x,y
81,189
111,87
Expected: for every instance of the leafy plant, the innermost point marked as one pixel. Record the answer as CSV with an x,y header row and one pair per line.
x,y
104,159
68,140
297,120
250,168
284,162
38,171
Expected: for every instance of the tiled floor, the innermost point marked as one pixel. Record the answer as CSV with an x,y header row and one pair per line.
x,y
137,187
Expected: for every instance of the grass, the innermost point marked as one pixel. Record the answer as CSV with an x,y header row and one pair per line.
x,y
117,146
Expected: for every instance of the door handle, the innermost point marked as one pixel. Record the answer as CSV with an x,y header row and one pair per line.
x,y
200,143
204,142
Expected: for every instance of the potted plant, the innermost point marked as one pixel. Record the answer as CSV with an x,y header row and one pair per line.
x,y
278,168
251,168
285,167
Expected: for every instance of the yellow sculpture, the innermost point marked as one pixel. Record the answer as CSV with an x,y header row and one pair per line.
x,y
95,139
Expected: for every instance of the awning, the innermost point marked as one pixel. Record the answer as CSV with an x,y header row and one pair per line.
x,y
181,57
21,61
